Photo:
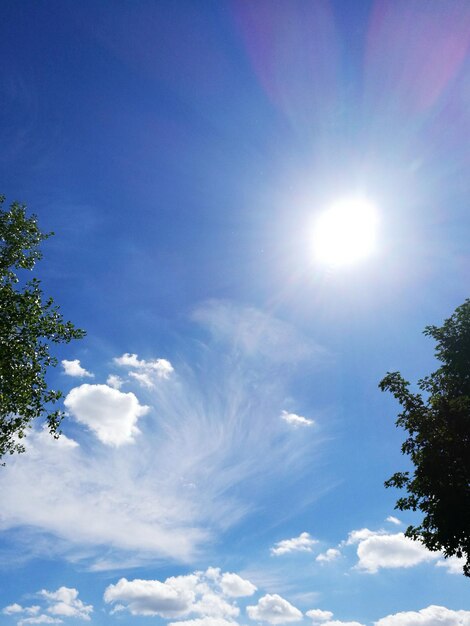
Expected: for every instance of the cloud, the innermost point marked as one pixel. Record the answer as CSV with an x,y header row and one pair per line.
x,y
393,520
317,615
205,621
296,420
429,616
109,413
257,334
330,555
62,603
336,622
453,564
15,608
40,619
151,597
206,456
236,587
114,381
379,549
302,543
148,371
65,603
274,609
180,596
356,536
384,551
73,368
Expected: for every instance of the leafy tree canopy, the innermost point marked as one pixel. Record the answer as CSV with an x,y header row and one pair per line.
x,y
29,324
438,443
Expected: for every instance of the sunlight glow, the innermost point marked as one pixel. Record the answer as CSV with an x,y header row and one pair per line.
x,y
346,232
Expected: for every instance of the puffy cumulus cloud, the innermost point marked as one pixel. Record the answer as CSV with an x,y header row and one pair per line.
x,y
317,615
274,609
453,564
109,413
235,586
16,608
390,551
59,604
323,618
330,555
150,597
356,536
114,381
296,420
65,603
73,368
147,371
200,593
302,543
393,520
430,616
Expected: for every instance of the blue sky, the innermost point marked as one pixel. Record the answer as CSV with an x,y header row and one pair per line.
x,y
223,458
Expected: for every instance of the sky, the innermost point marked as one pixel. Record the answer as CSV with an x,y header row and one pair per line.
x,y
225,445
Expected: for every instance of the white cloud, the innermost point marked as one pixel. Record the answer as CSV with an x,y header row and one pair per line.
x,y
56,604
336,622
296,420
17,608
213,605
151,597
73,368
65,603
235,586
302,543
356,536
393,520
330,555
148,371
274,609
205,621
391,551
200,466
317,615
453,564
109,413
430,616
114,381
40,619
179,596
256,334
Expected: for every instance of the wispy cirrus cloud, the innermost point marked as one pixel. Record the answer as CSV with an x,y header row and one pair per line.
x,y
209,428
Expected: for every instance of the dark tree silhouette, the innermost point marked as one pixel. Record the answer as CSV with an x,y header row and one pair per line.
x,y
438,443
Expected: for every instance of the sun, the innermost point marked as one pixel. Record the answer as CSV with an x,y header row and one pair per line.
x,y
346,232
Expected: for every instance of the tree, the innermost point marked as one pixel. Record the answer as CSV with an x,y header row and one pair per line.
x,y
438,442
29,324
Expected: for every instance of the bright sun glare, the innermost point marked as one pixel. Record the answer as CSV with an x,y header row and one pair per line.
x,y
346,232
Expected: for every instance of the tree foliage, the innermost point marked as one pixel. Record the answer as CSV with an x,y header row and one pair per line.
x,y
29,324
438,443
